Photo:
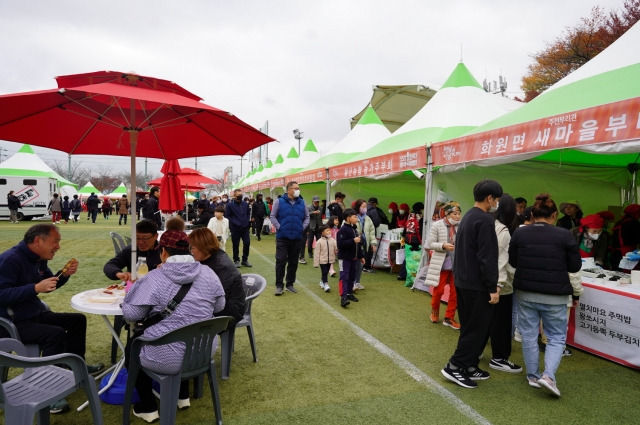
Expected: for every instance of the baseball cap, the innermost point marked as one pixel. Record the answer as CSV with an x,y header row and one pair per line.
x,y
316,198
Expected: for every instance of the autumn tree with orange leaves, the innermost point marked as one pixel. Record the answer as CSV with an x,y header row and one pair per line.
x,y
576,46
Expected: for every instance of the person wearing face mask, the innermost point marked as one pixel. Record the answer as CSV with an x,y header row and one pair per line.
x,y
476,282
588,237
393,211
403,215
239,215
442,238
367,231
290,217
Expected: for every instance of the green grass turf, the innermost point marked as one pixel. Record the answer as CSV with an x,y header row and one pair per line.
x,y
376,362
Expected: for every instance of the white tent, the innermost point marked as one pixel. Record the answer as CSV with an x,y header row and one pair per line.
x,y
580,139
25,163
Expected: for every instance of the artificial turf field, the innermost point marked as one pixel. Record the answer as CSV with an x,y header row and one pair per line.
x,y
376,362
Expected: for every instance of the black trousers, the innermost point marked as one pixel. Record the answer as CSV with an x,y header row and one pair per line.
x,y
257,226
55,333
324,270
500,328
287,251
475,314
236,235
311,236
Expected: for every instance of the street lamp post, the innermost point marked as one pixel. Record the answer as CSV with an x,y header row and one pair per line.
x,y
297,134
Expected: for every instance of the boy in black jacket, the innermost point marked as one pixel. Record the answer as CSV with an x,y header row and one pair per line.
x,y
476,280
350,251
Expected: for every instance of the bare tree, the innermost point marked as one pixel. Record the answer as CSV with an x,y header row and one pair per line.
x,y
78,174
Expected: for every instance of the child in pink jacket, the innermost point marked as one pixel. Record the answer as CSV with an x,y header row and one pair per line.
x,y
325,255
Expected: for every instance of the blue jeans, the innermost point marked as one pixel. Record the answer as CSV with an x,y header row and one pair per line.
x,y
554,322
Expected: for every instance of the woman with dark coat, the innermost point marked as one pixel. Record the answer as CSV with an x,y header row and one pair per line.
x,y
543,256
206,250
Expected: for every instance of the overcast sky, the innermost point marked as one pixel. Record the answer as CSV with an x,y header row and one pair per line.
x,y
296,64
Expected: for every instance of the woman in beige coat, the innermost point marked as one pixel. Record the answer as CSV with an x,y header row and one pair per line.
x,y
441,241
123,209
367,230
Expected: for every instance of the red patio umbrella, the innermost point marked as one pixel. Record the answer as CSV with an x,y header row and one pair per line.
x,y
190,188
171,195
115,113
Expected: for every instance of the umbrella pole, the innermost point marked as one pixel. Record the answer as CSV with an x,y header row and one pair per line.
x,y
133,141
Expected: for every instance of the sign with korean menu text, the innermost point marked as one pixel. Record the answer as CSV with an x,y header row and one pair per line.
x,y
613,122
311,176
410,159
607,323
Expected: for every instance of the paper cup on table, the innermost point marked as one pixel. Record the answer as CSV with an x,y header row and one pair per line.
x,y
635,277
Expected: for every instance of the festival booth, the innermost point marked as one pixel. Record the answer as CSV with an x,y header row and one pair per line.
x,y
580,139
391,166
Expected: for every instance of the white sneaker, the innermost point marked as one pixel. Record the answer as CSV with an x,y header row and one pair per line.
x,y
358,286
549,384
517,337
321,285
184,403
326,287
147,417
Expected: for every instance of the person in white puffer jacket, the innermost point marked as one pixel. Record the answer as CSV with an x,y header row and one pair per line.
x,y
441,241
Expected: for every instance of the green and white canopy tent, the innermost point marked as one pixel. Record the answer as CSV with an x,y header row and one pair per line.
x,y
87,190
580,139
25,163
460,105
295,163
118,192
368,131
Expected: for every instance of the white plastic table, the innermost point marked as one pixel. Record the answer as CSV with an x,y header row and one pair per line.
x,y
86,303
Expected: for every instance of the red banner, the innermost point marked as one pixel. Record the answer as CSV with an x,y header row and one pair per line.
x,y
317,175
613,122
410,159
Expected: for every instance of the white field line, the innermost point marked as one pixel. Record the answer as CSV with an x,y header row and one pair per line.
x,y
408,367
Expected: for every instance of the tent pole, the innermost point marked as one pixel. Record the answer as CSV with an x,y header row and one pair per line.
x,y
428,207
327,194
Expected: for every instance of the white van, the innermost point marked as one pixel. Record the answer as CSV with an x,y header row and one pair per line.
x,y
34,194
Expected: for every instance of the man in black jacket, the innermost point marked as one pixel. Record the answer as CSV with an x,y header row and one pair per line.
x,y
92,207
204,215
476,280
152,209
258,212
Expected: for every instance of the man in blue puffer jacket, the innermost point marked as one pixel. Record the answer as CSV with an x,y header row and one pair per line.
x,y
290,217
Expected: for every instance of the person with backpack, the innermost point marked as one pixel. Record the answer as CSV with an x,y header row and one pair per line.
x,y
76,207
259,211
55,207
66,209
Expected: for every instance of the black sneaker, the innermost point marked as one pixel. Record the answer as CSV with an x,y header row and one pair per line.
x,y
458,376
352,298
566,352
478,374
246,263
344,301
292,289
237,263
505,365
279,291
95,369
368,270
59,406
